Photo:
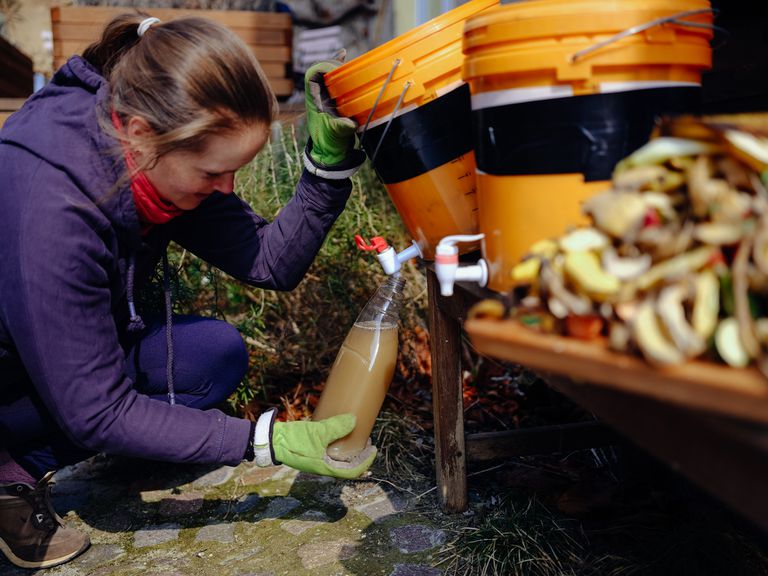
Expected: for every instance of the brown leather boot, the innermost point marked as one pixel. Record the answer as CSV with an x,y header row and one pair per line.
x,y
32,535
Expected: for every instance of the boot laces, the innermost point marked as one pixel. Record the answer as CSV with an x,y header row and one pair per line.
x,y
43,514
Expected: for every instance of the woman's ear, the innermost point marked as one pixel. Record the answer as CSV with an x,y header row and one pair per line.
x,y
138,132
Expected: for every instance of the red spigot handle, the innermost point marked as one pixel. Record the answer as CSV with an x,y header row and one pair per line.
x,y
377,243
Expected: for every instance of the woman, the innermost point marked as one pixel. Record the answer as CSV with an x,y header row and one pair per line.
x,y
131,146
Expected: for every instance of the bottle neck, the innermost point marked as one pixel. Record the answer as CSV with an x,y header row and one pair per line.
x,y
394,284
384,305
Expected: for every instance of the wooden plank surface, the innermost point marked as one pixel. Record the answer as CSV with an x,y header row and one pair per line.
x,y
699,385
267,34
11,104
281,86
273,70
232,18
66,48
8,106
551,439
91,31
4,116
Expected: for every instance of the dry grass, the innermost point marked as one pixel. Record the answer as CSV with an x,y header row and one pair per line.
x,y
514,538
405,449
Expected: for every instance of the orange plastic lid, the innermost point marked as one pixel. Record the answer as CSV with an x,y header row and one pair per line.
x,y
545,34
558,18
428,54
363,64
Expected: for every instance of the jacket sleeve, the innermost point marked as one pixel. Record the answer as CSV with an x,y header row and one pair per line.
x,y
57,306
225,232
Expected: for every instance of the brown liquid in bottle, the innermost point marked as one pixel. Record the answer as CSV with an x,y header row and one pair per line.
x,y
358,383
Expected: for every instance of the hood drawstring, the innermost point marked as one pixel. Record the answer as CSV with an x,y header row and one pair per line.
x,y
136,324
168,331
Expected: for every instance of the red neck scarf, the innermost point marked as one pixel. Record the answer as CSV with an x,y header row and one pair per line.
x,y
152,208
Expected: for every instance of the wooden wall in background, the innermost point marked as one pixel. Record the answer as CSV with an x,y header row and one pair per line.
x,y
8,106
268,34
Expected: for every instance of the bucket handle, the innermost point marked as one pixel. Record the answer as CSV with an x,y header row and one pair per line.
x,y
395,64
673,18
391,118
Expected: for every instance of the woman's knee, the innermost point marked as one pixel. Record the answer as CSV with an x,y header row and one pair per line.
x,y
231,355
209,360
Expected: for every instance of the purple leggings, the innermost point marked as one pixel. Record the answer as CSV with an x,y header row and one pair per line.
x,y
210,360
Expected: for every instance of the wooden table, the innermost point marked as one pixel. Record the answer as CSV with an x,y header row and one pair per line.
x,y
454,448
707,421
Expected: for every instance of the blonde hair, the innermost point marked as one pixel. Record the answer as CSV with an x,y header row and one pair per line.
x,y
188,78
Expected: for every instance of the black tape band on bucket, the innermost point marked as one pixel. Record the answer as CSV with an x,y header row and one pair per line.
x,y
423,139
580,134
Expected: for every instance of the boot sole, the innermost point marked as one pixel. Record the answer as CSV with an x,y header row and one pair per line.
x,y
15,560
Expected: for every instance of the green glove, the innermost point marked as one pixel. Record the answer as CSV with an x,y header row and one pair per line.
x,y
302,445
331,150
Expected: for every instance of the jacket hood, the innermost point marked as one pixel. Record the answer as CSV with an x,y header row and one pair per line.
x,y
60,124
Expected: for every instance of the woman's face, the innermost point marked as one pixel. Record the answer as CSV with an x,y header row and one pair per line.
x,y
187,178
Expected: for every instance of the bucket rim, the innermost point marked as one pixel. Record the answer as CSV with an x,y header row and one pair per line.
x,y
532,11
360,64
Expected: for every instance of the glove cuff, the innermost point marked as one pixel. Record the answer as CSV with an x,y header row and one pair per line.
x,y
345,169
263,454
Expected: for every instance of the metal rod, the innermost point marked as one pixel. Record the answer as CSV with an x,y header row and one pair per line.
x,y
391,118
376,102
642,27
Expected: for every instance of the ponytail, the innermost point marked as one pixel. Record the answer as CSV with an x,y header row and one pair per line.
x,y
119,36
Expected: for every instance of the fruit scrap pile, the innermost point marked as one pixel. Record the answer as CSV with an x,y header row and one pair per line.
x,y
675,264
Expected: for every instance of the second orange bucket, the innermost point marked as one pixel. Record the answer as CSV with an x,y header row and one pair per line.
x,y
413,109
561,91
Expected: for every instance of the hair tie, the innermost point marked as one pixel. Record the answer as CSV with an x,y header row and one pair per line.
x,y
145,24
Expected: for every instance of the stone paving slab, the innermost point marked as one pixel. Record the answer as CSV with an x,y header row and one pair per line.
x,y
147,519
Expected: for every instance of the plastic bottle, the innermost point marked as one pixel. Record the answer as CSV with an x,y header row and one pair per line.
x,y
363,370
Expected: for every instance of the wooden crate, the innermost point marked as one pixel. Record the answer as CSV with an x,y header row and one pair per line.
x,y
16,72
8,106
268,34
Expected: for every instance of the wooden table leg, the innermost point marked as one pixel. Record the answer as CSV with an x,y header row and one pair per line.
x,y
447,404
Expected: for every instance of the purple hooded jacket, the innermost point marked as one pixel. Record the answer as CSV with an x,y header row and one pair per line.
x,y
67,233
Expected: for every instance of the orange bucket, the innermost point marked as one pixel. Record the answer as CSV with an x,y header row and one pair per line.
x,y
413,109
561,91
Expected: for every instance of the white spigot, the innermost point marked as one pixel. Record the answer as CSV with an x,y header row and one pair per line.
x,y
447,267
391,261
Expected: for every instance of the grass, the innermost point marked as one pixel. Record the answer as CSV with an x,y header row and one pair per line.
x,y
405,450
515,537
